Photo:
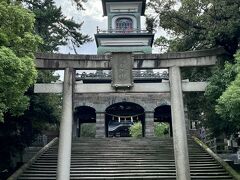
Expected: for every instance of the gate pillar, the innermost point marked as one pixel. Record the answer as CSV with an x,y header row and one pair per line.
x,y
178,123
65,137
100,125
149,124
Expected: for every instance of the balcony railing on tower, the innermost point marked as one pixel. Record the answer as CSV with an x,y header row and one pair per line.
x,y
124,31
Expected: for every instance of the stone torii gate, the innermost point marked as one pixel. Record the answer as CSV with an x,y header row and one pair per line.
x,y
171,61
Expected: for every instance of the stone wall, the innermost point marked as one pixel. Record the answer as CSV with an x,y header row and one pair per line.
x,y
100,102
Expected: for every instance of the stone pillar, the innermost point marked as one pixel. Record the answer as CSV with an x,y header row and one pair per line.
x,y
178,123
78,128
149,124
74,127
65,137
100,125
187,121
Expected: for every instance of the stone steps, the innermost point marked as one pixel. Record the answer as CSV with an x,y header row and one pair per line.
x,y
116,164
103,167
133,177
127,171
125,158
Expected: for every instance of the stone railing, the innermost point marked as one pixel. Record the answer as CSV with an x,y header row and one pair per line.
x,y
20,171
137,75
224,164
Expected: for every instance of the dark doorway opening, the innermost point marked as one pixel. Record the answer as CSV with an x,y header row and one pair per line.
x,y
121,116
163,117
86,121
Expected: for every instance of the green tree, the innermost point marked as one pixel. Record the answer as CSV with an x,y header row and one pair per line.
x,y
54,28
44,110
218,83
194,25
17,45
228,104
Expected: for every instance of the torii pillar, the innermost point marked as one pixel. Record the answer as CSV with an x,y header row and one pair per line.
x,y
178,124
65,137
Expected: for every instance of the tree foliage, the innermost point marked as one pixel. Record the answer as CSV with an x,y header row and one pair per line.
x,y
228,105
16,75
136,130
200,24
161,129
218,83
17,45
79,4
55,28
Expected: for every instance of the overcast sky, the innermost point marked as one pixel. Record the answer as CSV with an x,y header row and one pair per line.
x,y
92,17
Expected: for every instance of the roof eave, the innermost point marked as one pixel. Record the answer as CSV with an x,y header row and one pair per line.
x,y
120,36
105,8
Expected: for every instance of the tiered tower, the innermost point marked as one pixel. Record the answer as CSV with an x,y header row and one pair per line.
x,y
124,32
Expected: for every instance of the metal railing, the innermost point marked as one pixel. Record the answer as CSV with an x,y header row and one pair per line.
x,y
40,140
124,31
211,142
138,75
207,137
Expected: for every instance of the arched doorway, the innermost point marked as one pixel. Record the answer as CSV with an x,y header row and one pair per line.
x,y
86,121
163,117
121,116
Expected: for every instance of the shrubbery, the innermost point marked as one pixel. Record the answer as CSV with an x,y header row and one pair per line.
x,y
88,130
160,129
136,130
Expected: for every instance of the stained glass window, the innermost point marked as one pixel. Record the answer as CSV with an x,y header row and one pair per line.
x,y
124,24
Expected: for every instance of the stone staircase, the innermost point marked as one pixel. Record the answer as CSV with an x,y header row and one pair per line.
x,y
125,158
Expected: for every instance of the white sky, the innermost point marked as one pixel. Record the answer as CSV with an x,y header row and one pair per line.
x,y
92,17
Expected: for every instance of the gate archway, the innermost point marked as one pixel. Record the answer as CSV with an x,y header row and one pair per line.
x,y
121,116
86,121
162,114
